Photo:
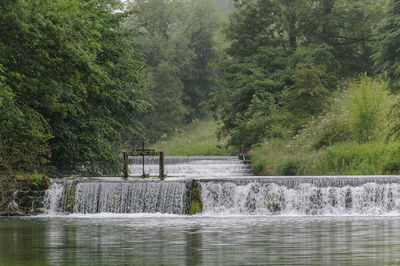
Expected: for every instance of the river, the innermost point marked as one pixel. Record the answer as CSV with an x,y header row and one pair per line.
x,y
245,220
175,240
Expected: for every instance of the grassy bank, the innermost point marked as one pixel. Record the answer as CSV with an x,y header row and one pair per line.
x,y
355,136
198,138
281,158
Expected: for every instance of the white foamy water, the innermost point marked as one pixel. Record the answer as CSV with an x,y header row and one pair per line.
x,y
143,197
227,189
305,199
192,166
54,198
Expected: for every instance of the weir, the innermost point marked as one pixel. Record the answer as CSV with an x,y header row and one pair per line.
x,y
224,186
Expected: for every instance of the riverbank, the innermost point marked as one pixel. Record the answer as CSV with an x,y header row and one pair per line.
x,y
197,139
292,157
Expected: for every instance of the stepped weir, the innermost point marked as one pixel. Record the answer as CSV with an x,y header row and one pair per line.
x,y
225,187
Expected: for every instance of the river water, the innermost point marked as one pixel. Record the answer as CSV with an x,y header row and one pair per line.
x,y
245,220
176,240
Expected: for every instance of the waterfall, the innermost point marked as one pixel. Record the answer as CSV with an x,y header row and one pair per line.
x,y
303,199
224,186
53,198
192,166
141,197
117,197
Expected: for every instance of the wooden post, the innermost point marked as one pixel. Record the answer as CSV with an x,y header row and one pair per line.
x,y
125,171
161,162
143,157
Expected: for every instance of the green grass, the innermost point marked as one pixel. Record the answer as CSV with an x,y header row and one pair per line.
x,y
360,159
287,158
198,138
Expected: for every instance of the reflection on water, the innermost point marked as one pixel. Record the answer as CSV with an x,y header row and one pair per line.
x,y
199,240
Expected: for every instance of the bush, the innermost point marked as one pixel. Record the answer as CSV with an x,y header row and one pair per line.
x,y
280,157
359,159
368,106
359,113
332,132
392,167
354,159
263,157
289,167
261,120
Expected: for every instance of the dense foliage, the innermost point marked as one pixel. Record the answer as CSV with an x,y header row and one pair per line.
x,y
298,85
80,80
388,53
179,46
285,59
71,85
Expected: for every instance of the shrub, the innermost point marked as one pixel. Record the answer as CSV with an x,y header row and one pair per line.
x,y
358,159
289,167
262,120
368,106
332,132
392,167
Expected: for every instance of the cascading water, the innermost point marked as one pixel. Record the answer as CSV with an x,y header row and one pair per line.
x,y
99,196
54,196
192,166
143,197
227,188
304,199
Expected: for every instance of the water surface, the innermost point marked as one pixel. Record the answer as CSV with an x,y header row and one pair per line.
x,y
144,239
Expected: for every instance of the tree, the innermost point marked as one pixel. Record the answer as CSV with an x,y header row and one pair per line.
x,y
226,5
387,58
199,79
347,26
309,93
178,43
23,135
295,50
67,61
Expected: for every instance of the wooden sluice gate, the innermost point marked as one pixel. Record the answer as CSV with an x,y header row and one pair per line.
x,y
244,154
144,152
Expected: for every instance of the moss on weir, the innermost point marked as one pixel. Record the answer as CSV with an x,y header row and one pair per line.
x,y
70,197
196,205
35,180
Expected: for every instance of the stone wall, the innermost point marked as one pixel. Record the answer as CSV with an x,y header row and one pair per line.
x,y
21,196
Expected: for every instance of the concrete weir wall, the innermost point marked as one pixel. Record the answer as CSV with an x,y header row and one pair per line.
x,y
19,197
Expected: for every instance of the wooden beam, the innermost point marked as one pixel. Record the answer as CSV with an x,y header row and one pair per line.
x,y
161,163
144,152
125,170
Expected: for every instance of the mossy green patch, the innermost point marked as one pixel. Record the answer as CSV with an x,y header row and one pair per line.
x,y
36,180
196,205
70,196
145,176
